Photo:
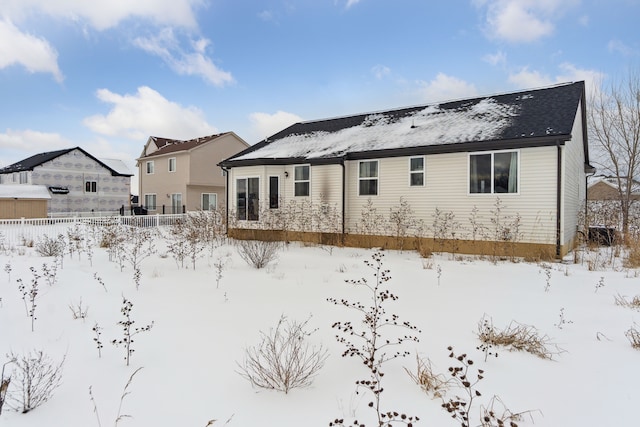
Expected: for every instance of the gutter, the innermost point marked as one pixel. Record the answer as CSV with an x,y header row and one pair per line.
x,y
558,199
226,190
343,195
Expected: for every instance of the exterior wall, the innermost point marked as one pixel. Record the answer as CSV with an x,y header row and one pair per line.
x,y
573,184
196,173
162,182
25,208
446,189
602,191
71,170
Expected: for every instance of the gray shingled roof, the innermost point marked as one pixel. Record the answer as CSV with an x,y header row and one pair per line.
x,y
30,163
511,120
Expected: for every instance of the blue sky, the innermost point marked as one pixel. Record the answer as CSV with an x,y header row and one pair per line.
x,y
105,75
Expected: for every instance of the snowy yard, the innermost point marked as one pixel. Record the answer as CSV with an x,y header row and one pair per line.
x,y
201,329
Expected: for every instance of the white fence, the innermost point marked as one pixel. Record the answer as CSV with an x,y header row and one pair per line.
x,y
23,231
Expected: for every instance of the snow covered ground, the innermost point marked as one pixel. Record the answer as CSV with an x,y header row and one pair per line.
x,y
189,358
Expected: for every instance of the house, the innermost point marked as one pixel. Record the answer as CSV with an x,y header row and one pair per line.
x,y
177,176
77,181
23,201
601,187
505,173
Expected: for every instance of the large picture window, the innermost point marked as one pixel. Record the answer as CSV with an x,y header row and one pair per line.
x,y
247,190
301,180
493,172
416,171
368,178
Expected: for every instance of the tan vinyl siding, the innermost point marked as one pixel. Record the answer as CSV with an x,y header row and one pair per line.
x,y
446,188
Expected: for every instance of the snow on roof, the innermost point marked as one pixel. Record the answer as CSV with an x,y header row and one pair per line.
x,y
117,165
429,126
24,191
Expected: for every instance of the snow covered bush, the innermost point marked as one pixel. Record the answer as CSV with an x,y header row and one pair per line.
x,y
50,246
258,253
34,380
284,359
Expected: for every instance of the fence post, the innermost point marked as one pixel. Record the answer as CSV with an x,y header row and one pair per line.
x,y
158,219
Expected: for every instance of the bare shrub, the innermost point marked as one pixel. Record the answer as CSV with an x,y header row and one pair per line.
x,y
633,335
623,301
435,385
78,310
4,385
284,359
517,337
128,331
50,246
35,379
258,253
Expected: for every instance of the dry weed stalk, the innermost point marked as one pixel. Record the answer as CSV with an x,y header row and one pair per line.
x,y
435,385
622,301
517,337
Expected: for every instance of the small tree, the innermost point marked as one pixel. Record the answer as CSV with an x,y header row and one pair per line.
x,y
614,129
372,343
128,331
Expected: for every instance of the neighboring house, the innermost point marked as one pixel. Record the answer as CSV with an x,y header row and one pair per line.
x,y
606,188
508,168
177,176
23,201
77,181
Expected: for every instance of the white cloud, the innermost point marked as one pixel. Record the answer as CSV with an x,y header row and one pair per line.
x,y
33,53
380,71
352,3
522,20
498,58
265,124
526,78
32,141
618,46
102,15
444,88
168,48
584,20
147,113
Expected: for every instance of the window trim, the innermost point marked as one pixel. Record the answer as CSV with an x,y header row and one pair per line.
x,y
202,201
376,178
492,179
302,181
175,164
155,198
422,171
150,167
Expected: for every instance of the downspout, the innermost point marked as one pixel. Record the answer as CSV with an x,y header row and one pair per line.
x,y
558,199
343,196
226,189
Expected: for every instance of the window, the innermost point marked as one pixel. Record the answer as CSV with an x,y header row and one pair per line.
x,y
416,171
150,202
24,177
274,192
247,190
493,172
150,167
172,164
90,186
209,201
301,180
368,178
176,203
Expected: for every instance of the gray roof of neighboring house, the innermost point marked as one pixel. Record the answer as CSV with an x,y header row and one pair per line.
x,y
535,117
30,163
